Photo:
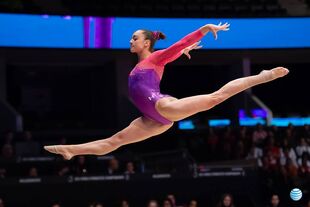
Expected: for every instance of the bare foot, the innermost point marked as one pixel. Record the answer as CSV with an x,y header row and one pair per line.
x,y
59,149
274,73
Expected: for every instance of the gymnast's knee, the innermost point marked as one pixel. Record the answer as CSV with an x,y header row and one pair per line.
x,y
162,106
216,98
116,140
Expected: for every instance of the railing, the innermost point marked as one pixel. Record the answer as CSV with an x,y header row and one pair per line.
x,y
10,119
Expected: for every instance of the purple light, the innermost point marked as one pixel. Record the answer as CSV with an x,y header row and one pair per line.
x,y
242,113
86,31
261,113
45,16
103,28
97,32
67,17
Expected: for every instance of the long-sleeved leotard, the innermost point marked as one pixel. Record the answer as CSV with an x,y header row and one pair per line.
x,y
144,79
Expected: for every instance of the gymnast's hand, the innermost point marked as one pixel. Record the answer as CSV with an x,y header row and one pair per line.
x,y
215,28
194,46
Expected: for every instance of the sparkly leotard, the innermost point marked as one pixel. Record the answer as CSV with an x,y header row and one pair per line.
x,y
144,79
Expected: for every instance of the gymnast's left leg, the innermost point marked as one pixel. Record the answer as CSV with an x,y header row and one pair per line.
x,y
178,109
138,130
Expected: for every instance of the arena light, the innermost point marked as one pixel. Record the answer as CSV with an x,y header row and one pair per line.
x,y
186,125
251,121
219,122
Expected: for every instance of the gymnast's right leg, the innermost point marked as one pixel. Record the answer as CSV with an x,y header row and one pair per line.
x,y
140,129
177,109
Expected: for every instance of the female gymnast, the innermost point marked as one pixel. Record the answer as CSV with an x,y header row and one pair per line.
x,y
159,110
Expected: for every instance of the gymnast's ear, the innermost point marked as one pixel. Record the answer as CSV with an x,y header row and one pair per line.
x,y
147,43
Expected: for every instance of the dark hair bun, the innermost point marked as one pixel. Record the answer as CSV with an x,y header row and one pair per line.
x,y
162,36
157,35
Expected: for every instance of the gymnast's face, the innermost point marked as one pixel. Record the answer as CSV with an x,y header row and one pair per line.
x,y
138,43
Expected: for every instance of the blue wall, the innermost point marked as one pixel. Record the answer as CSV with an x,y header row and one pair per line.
x,y
56,31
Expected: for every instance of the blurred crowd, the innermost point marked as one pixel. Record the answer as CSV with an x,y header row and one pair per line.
x,y
282,156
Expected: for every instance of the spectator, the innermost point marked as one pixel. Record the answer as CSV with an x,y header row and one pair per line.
x,y
130,168
259,135
172,198
96,204
193,203
80,167
290,134
255,153
272,149
272,159
2,173
274,130
64,170
228,140
33,172
303,147
306,131
113,167
304,169
1,202
287,152
244,135
8,138
229,136
212,143
7,152
124,203
152,203
289,170
226,201
239,150
274,201
167,203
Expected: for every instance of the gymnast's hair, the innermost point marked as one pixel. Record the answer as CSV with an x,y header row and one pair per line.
x,y
153,36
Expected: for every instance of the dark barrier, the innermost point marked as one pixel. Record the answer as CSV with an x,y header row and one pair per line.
x,y
137,189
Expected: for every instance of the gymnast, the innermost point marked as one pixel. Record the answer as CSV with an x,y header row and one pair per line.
x,y
159,111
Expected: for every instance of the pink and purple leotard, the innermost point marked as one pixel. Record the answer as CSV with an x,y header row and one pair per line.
x,y
144,79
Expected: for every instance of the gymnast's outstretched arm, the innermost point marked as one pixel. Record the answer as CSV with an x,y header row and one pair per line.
x,y
162,57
